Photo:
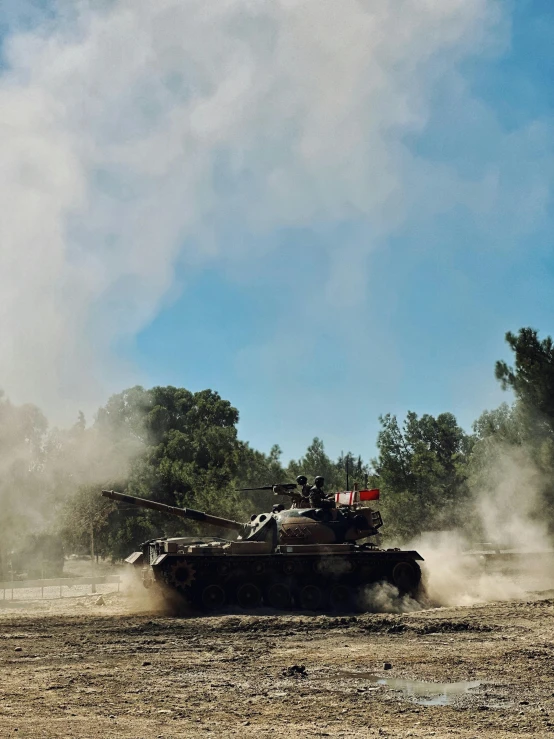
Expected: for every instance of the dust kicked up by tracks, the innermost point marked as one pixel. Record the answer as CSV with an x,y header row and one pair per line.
x,y
75,669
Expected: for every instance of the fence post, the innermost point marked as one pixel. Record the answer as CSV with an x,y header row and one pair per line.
x,y
93,567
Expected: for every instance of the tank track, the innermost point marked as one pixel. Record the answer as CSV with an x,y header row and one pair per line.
x,y
298,582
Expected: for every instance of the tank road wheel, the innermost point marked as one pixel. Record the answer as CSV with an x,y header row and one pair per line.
x,y
406,576
249,595
310,597
289,567
340,598
258,568
278,596
213,597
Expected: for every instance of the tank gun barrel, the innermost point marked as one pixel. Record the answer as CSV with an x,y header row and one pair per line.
x,y
224,523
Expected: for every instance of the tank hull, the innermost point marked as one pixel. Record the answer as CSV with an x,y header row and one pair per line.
x,y
210,576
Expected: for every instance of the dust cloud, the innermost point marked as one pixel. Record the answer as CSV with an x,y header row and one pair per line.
x,y
384,597
139,599
503,551
42,469
136,135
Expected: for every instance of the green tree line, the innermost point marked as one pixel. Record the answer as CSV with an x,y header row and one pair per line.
x,y
182,448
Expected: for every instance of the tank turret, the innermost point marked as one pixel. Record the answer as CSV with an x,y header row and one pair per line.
x,y
307,558
294,526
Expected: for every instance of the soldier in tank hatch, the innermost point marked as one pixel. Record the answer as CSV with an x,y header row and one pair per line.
x,y
304,501
318,498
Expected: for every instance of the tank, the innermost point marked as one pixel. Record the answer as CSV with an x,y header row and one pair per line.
x,y
296,559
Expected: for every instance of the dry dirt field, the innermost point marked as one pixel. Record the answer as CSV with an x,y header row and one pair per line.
x,y
72,668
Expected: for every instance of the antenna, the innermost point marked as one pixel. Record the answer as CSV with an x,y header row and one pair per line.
x,y
347,471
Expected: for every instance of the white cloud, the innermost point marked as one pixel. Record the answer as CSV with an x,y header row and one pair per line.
x,y
131,128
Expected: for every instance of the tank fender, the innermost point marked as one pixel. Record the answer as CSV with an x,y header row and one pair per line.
x,y
136,559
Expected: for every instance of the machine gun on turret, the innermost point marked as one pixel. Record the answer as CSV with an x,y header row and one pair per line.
x,y
283,488
287,486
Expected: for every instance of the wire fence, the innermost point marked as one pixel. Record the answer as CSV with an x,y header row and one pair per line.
x,y
58,587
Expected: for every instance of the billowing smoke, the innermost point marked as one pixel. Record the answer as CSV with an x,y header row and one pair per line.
x,y
504,550
135,135
41,469
509,503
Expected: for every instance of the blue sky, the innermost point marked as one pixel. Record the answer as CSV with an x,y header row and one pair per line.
x,y
437,304
323,215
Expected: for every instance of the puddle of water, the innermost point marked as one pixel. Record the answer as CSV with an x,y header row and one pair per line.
x,y
424,693
428,694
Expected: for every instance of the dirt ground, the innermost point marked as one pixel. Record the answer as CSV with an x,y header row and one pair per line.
x,y
72,668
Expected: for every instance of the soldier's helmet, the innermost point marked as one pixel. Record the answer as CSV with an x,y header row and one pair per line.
x,y
319,481
301,479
